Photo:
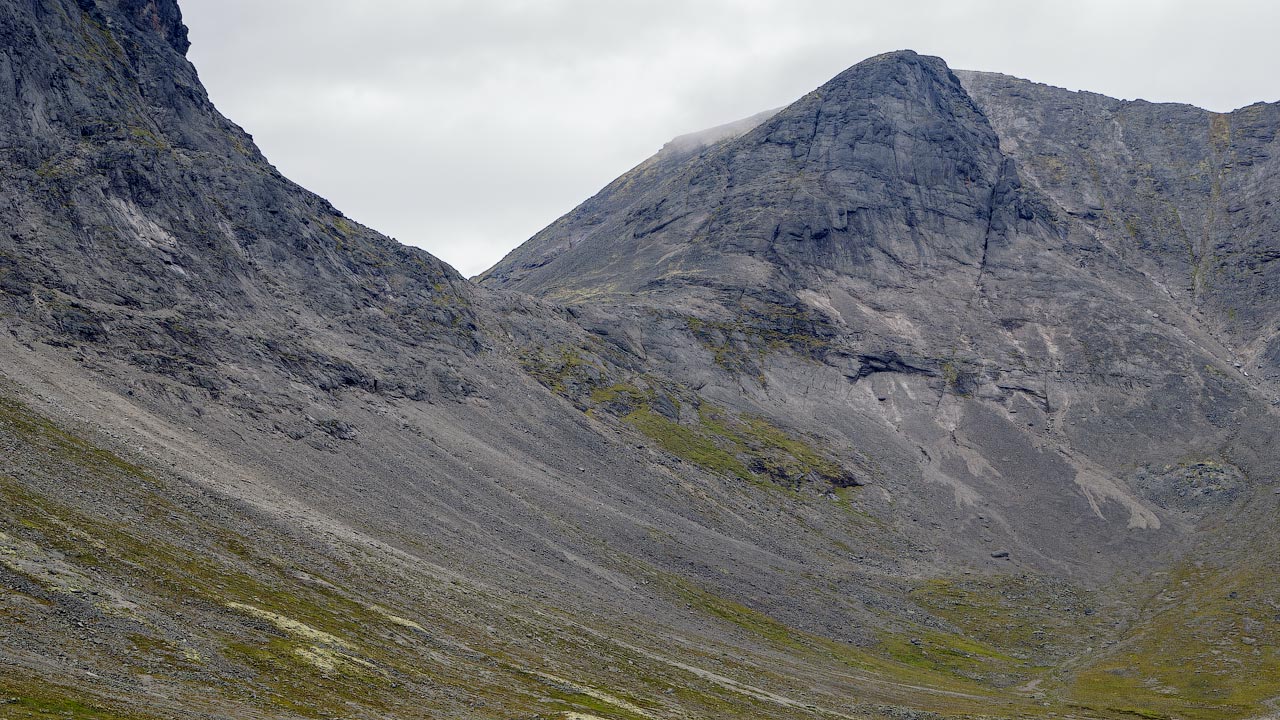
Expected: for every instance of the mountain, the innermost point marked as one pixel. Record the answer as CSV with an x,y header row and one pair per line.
x,y
853,408
869,263
1021,307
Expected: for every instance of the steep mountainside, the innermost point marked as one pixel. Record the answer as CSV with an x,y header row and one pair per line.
x,y
840,411
1181,194
1036,361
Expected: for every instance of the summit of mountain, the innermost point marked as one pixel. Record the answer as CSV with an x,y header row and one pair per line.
x,y
824,183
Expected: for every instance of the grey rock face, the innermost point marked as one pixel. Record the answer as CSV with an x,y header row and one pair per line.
x,y
1180,194
1005,296
829,182
140,219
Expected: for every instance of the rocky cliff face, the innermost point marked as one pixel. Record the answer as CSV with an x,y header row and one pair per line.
x,y
142,221
1179,193
844,410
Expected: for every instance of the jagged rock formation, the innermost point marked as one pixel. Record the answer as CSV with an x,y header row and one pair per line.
x,y
813,415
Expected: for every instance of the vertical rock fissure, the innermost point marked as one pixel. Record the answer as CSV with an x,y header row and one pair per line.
x,y
986,239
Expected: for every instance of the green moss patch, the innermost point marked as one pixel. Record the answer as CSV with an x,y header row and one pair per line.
x,y
761,327
747,447
1207,649
742,446
688,444
1041,621
38,699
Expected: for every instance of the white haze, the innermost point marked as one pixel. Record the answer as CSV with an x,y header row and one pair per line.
x,y
465,126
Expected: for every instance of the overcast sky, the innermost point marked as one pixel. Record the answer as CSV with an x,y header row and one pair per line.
x,y
465,126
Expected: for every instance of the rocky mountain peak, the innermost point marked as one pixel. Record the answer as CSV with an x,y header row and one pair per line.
x,y
830,181
901,74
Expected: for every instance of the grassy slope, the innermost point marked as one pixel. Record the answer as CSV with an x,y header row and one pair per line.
x,y
1207,645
